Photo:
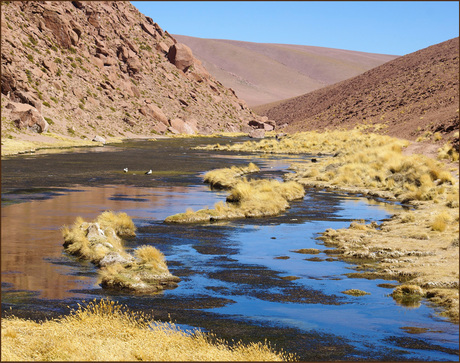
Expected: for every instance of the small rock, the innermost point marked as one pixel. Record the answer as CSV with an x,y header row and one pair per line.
x,y
98,138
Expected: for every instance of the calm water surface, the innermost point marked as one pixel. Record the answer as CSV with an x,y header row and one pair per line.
x,y
240,279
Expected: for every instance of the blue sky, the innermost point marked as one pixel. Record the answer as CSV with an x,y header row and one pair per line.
x,y
387,27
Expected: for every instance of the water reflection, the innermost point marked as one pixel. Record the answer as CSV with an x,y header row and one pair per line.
x,y
31,236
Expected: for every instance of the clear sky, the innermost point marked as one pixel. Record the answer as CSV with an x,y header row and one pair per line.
x,y
386,27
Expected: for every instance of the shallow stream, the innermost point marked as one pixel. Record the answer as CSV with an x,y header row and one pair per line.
x,y
241,279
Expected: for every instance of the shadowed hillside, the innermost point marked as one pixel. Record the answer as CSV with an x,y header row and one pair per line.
x,y
261,73
410,96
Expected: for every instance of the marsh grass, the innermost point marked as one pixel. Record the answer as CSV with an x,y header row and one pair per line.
x,y
408,295
93,241
417,248
54,141
355,292
100,242
107,331
247,199
225,178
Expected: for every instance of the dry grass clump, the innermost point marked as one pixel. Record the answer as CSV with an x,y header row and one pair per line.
x,y
227,177
448,152
93,241
408,295
440,221
355,292
53,141
247,199
106,331
99,242
308,142
122,224
377,166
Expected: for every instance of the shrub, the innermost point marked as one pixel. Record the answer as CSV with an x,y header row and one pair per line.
x,y
46,104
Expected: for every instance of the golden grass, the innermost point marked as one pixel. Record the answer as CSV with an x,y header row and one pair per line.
x,y
121,223
448,152
225,178
419,247
56,141
440,221
355,292
99,242
93,241
247,199
107,331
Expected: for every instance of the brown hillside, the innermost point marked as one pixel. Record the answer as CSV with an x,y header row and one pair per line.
x,y
261,73
409,96
81,69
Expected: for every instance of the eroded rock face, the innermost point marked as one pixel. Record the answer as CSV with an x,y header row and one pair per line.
x,y
153,111
27,117
183,127
103,68
58,27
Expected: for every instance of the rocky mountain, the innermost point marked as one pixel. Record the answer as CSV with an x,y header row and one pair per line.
x,y
81,69
411,96
262,73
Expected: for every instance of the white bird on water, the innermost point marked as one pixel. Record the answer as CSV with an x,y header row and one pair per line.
x,y
125,170
148,172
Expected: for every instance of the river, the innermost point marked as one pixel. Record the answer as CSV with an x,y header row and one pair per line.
x,y
241,279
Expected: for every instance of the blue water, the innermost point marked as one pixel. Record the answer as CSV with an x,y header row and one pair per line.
x,y
206,256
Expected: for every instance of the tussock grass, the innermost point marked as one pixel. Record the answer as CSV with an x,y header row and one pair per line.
x,y
247,199
441,221
408,295
107,331
355,292
93,241
225,178
121,223
448,152
100,242
418,247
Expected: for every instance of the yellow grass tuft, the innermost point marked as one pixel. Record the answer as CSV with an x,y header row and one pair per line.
x,y
122,224
440,221
100,243
227,177
151,257
107,331
247,199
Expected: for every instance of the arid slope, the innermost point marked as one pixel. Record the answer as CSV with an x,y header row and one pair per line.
x,y
411,96
261,73
103,68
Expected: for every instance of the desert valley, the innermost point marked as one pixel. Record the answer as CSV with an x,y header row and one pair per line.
x,y
166,197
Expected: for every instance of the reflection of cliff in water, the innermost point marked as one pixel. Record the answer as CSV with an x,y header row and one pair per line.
x,y
31,236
